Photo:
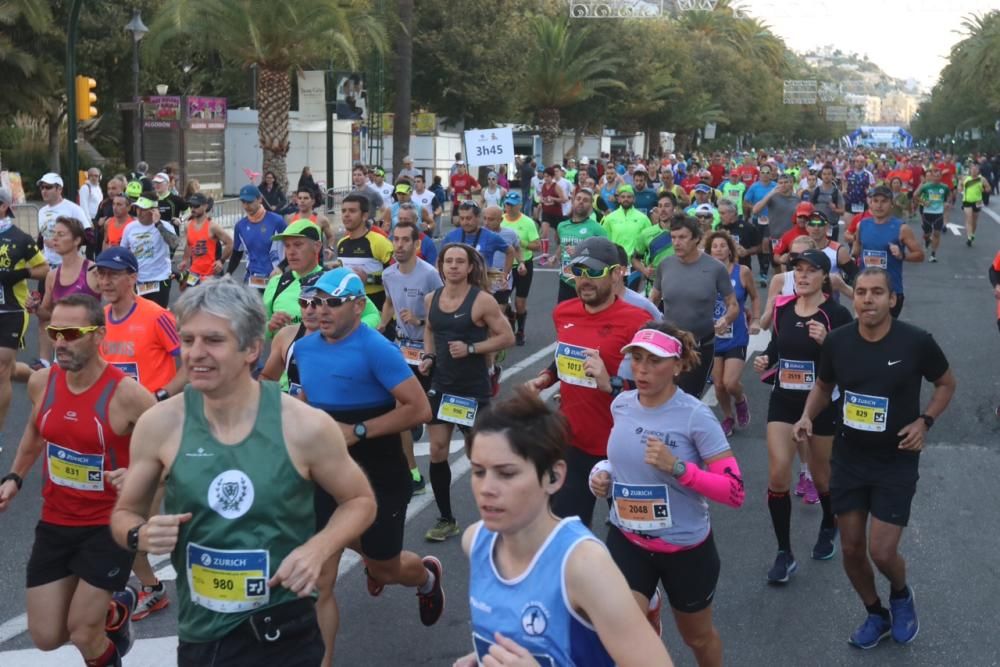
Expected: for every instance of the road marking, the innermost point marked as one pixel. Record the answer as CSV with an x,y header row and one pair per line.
x,y
992,214
955,229
158,652
528,361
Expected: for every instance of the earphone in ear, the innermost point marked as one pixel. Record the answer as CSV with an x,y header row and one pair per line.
x,y
553,477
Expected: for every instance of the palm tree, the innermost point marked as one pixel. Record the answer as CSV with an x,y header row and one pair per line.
x,y
38,16
276,37
566,68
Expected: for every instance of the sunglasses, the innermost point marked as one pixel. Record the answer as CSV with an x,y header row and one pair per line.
x,y
70,334
817,222
328,301
46,186
581,271
704,216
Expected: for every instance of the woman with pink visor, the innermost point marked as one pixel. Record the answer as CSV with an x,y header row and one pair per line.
x,y
667,456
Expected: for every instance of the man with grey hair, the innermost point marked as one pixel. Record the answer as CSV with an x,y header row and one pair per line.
x,y
272,557
407,172
746,236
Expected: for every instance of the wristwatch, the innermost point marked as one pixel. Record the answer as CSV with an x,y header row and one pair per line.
x,y
679,469
132,541
928,420
162,394
13,477
617,384
360,431
472,348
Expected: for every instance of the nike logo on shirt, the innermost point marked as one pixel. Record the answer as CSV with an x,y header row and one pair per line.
x,y
893,363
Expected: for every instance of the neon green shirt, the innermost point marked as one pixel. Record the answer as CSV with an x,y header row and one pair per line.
x,y
526,230
624,227
570,234
654,245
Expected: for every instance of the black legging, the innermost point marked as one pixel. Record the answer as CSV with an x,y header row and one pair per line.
x,y
693,381
575,498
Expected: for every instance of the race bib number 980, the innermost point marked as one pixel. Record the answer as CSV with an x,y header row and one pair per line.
x,y
228,581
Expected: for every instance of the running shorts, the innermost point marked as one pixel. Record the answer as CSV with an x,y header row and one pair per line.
x,y
976,206
786,410
87,552
522,284
932,222
883,489
384,538
13,325
733,353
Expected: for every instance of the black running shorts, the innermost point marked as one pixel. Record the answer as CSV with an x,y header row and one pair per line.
x,y
12,328
883,489
87,552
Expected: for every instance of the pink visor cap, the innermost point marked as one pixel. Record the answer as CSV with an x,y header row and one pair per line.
x,y
655,342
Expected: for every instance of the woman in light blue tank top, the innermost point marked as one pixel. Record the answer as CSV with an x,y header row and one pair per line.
x,y
540,586
731,345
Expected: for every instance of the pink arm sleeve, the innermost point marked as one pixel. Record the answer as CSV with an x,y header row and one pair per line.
x,y
722,482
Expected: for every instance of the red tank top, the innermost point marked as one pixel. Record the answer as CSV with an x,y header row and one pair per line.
x,y
203,247
79,446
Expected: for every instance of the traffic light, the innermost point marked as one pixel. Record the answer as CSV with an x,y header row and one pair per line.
x,y
86,98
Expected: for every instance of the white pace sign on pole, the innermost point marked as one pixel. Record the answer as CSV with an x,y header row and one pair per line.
x,y
489,147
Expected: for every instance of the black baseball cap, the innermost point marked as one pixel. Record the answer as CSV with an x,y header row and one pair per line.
x,y
881,191
596,253
813,257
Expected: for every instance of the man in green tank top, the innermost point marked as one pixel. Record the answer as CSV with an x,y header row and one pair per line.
x,y
243,462
581,225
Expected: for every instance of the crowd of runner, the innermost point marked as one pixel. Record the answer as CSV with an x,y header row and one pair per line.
x,y
264,421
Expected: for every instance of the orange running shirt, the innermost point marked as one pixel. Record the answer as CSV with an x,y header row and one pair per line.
x,y
113,231
204,248
143,344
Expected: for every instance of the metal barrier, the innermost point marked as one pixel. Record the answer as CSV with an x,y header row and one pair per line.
x,y
26,217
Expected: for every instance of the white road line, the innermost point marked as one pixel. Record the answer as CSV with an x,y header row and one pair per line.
x,y
955,229
992,214
528,361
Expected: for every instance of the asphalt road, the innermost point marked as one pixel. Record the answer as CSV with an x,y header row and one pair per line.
x,y
950,545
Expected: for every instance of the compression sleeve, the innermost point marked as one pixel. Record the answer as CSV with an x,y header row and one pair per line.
x,y
994,276
722,482
234,261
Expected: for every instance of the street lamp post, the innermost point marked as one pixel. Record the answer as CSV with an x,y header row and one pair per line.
x,y
138,30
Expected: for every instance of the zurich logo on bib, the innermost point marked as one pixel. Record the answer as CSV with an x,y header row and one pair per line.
x,y
231,494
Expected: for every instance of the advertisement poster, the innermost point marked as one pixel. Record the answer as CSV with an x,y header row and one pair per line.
x,y
352,98
206,113
160,111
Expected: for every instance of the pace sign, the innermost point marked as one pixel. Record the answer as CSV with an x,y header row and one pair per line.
x,y
489,147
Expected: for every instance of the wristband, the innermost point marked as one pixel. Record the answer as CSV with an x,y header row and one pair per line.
x,y
13,477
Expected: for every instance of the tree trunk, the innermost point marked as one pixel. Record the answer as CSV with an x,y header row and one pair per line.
x,y
577,142
272,129
404,86
54,121
548,127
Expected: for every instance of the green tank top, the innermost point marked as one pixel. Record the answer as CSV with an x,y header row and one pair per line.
x,y
250,509
972,190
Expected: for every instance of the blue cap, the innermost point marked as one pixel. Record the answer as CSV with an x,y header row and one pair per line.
x,y
249,193
513,198
117,259
701,187
341,282
620,169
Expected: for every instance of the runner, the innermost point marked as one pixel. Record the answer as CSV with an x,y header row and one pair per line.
x,y
541,590
152,241
464,326
280,367
734,189
935,201
115,225
81,421
203,258
493,194
731,345
580,226
654,243
471,232
404,195
974,188
551,198
828,199
407,284
688,284
885,242
373,398
253,236
302,250
742,232
756,192
67,240
167,201
667,447
362,250
527,232
626,224
242,515
590,332
463,186
878,364
501,284
801,324
306,210
24,260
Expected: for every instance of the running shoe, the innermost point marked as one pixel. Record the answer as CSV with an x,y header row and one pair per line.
x,y
442,530
419,486
783,569
968,242
800,488
875,628
743,413
811,495
905,625
933,259
653,615
519,339
119,624
824,549
727,426
927,241
374,587
151,598
432,603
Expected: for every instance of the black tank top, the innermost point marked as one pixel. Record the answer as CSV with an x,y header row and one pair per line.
x,y
467,376
291,366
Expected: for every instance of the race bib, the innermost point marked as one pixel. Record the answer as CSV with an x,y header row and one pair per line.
x,y
864,412
797,375
642,507
258,282
294,389
142,289
878,259
458,410
411,351
497,281
857,208
569,363
129,368
482,646
228,581
192,279
83,472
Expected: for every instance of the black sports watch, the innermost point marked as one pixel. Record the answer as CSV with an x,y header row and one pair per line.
x,y
617,384
132,540
162,394
471,348
13,477
360,431
928,420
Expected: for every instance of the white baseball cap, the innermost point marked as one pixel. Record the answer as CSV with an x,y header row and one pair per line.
x,y
161,178
51,178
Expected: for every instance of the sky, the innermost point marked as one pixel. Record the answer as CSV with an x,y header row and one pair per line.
x,y
908,39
